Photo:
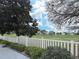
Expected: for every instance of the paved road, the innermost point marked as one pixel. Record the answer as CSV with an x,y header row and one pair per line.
x,y
6,53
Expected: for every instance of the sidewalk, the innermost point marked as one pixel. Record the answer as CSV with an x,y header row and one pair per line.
x,y
6,53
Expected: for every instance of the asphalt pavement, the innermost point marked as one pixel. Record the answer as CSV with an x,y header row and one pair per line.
x,y
7,53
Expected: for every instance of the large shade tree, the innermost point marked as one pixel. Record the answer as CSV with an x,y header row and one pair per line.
x,y
63,12
15,17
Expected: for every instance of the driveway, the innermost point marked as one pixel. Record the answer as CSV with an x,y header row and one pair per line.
x,y
7,53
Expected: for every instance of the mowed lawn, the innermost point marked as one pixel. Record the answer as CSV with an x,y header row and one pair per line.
x,y
51,37
9,35
58,37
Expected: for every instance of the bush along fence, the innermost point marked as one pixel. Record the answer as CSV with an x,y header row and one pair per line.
x,y
71,46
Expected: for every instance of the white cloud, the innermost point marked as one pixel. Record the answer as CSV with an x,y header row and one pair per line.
x,y
30,24
40,9
39,5
47,0
39,23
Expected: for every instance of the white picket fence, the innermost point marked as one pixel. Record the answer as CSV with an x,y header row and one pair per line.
x,y
71,46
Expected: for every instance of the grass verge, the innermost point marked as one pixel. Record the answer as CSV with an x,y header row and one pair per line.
x,y
58,37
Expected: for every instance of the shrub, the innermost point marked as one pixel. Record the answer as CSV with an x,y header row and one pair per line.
x,y
4,42
56,53
17,47
34,52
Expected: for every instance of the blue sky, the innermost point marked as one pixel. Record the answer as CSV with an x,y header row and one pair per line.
x,y
39,12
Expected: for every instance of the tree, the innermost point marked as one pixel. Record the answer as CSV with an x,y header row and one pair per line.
x,y
51,33
63,12
44,32
15,17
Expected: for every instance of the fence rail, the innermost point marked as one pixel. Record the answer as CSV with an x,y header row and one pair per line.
x,y
71,46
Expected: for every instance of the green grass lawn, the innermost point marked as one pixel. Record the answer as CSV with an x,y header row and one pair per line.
x,y
58,37
10,35
51,37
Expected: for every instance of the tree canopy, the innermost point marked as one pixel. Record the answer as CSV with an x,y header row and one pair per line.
x,y
15,17
63,12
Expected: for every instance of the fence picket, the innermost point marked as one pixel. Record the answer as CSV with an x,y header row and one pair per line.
x,y
71,46
76,49
68,46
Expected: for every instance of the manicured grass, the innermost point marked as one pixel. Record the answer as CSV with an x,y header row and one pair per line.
x,y
51,37
58,37
10,35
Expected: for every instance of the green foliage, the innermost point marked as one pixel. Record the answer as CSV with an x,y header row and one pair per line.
x,y
4,42
34,52
77,33
17,47
15,17
56,53
51,33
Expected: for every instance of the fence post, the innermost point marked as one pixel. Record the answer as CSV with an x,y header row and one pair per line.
x,y
76,48
64,44
42,43
58,44
61,45
53,44
72,47
68,46
27,41
18,39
